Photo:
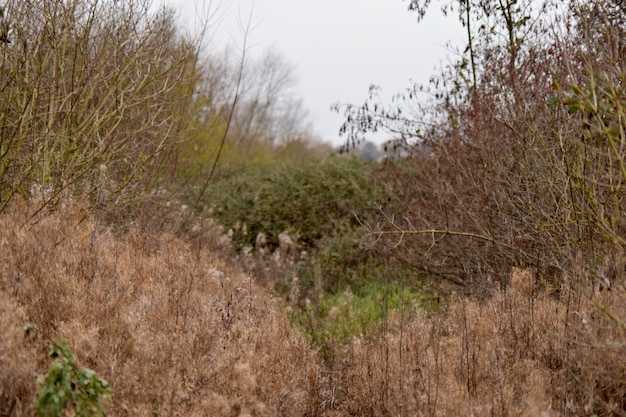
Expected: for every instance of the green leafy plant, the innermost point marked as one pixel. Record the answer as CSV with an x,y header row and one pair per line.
x,y
310,200
65,383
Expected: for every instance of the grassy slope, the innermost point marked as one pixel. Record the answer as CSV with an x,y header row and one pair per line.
x,y
178,331
172,329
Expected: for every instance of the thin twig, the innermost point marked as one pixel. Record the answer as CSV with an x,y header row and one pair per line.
x,y
246,32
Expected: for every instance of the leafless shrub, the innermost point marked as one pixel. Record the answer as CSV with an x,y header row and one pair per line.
x,y
516,159
95,94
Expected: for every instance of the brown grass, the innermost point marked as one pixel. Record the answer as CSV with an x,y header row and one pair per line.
x,y
518,353
178,331
173,329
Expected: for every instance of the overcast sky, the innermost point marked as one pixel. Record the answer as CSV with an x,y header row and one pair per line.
x,y
339,47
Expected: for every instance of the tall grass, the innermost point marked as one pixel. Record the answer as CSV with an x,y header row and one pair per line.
x,y
521,352
177,330
174,330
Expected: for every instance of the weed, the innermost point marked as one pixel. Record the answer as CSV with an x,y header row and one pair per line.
x,y
67,386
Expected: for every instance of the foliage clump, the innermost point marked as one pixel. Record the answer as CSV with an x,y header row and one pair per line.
x,y
309,201
67,386
323,205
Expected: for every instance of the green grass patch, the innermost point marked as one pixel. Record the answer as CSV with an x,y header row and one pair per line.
x,y
339,317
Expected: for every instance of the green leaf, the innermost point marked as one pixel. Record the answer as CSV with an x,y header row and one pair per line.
x,y
65,381
573,108
552,100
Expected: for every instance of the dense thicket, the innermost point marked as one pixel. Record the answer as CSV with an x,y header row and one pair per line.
x,y
309,201
516,155
94,95
111,100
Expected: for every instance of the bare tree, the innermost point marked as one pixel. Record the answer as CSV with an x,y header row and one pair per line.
x,y
85,85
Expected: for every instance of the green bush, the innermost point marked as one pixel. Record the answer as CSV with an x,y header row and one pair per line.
x,y
65,383
310,201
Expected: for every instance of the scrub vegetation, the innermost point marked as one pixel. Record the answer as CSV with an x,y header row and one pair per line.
x,y
174,239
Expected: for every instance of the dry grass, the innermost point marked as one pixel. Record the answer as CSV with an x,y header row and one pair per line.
x,y
178,331
522,352
174,330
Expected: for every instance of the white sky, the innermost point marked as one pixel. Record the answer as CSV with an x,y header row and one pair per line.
x,y
339,47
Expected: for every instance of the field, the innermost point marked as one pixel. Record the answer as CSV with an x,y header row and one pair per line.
x,y
176,328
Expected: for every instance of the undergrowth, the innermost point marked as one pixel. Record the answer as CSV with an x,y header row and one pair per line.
x,y
341,316
176,330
